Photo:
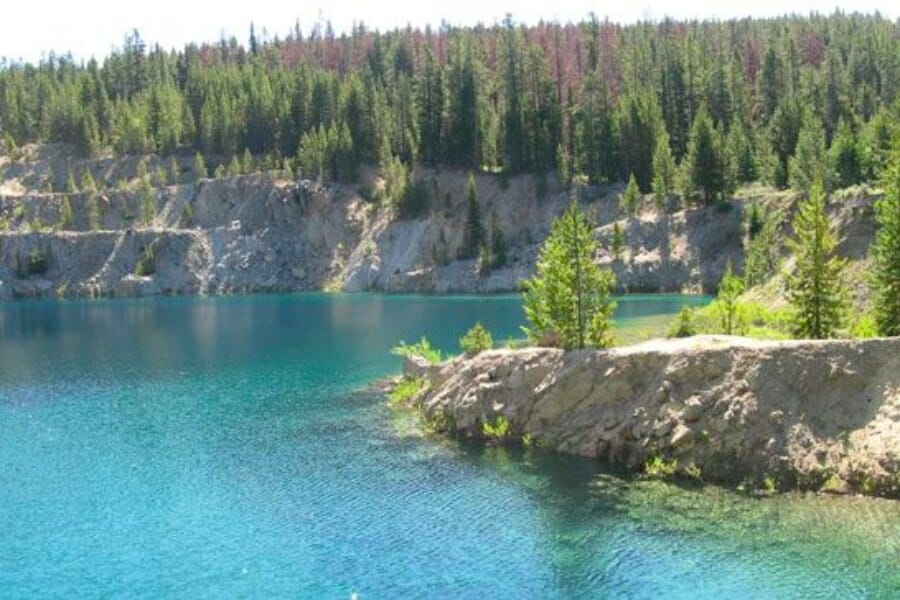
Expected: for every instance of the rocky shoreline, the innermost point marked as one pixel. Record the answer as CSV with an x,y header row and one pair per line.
x,y
819,415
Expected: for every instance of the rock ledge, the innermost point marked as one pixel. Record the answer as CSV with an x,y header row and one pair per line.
x,y
808,414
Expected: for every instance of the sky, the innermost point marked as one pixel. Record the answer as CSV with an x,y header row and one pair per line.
x,y
86,28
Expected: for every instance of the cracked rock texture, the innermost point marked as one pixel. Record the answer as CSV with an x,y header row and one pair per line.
x,y
810,413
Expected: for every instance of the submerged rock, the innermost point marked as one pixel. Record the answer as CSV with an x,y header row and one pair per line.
x,y
801,413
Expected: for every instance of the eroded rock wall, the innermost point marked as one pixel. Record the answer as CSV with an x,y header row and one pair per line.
x,y
262,232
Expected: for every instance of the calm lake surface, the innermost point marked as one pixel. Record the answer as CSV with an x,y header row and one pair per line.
x,y
226,447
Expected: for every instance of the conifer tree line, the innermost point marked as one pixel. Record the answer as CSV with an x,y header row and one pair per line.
x,y
691,108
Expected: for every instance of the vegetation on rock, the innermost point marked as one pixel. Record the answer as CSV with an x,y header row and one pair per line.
x,y
477,339
422,348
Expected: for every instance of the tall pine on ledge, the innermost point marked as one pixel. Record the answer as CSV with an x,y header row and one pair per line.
x,y
474,234
815,288
567,302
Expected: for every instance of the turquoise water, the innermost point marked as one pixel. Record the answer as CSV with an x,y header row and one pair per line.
x,y
225,447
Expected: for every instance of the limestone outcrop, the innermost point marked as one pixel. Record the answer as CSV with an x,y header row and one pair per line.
x,y
802,413
268,232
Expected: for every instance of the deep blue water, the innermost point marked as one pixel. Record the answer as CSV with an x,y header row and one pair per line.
x,y
227,447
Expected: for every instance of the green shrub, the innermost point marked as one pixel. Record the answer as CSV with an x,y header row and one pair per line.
x,y
478,339
864,326
93,211
753,318
496,431
146,264
66,217
728,306
442,422
406,390
187,216
35,263
516,343
769,484
694,472
683,325
423,348
660,468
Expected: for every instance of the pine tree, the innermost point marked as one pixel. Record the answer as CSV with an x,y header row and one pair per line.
x,y
815,287
564,165
886,252
630,199
762,251
704,165
200,171
638,121
809,162
474,235
845,157
93,211
618,241
247,165
783,132
567,302
234,167
87,181
160,177
498,244
770,83
141,170
742,162
174,171
727,304
148,203
71,188
877,140
65,214
664,170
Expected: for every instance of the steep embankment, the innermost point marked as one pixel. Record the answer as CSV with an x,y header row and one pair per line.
x,y
806,413
263,232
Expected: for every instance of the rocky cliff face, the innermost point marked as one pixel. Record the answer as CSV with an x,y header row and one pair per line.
x,y
265,233
806,413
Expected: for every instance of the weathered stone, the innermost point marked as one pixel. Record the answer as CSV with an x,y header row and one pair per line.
x,y
681,436
693,410
415,366
771,427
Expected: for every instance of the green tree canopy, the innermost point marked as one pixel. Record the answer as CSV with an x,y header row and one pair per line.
x,y
704,165
567,302
815,288
474,234
809,162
